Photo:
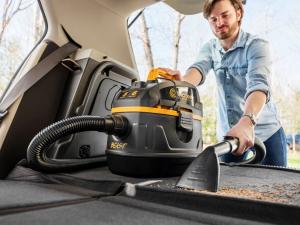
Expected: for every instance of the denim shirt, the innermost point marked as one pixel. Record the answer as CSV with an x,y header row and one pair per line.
x,y
239,71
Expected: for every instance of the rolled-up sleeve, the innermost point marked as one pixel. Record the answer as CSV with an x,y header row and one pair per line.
x,y
259,67
204,61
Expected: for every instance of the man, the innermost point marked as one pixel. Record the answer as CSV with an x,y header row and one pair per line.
x,y
241,63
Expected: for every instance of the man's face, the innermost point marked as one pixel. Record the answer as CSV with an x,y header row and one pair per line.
x,y
224,19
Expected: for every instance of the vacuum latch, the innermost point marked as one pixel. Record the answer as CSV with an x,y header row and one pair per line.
x,y
185,121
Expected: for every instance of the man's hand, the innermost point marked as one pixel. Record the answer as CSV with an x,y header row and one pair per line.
x,y
175,73
244,131
192,76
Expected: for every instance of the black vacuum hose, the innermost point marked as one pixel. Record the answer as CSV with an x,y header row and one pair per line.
x,y
37,149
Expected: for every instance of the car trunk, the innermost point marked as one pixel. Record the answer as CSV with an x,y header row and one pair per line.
x,y
248,195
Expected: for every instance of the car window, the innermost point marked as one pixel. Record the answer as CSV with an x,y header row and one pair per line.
x,y
21,27
162,37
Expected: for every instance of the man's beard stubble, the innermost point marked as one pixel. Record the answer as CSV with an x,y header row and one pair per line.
x,y
229,33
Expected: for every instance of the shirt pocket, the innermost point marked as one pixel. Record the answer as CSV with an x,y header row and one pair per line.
x,y
238,71
238,77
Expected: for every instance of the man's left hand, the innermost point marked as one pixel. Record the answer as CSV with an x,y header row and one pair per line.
x,y
244,131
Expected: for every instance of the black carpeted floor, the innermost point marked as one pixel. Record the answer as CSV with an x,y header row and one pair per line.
x,y
96,196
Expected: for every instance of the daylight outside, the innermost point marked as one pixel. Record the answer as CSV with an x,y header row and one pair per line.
x,y
162,37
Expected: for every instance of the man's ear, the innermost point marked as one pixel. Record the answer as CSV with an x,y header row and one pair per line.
x,y
238,15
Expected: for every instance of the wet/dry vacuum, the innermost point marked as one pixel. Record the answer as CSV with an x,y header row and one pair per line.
x,y
154,130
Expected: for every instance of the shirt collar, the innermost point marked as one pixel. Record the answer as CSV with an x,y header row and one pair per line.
x,y
239,42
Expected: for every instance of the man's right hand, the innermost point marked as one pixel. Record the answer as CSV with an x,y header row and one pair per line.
x,y
192,76
175,73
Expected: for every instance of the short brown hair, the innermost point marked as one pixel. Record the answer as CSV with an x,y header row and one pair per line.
x,y
209,4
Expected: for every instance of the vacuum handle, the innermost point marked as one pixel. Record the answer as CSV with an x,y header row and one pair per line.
x,y
155,73
231,144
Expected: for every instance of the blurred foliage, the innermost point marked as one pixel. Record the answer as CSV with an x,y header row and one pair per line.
x,y
289,108
209,118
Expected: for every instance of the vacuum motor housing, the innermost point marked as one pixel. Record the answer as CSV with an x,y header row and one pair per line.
x,y
165,132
